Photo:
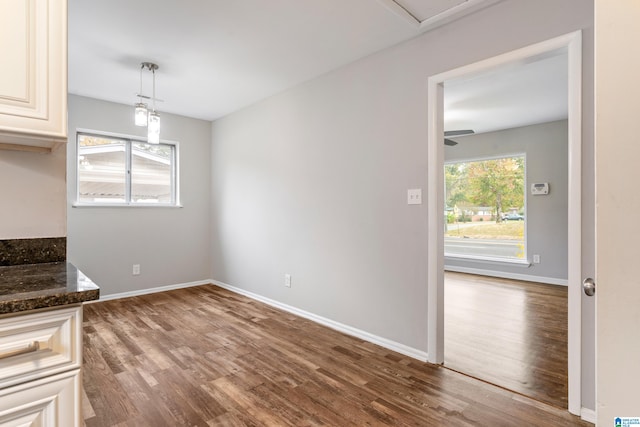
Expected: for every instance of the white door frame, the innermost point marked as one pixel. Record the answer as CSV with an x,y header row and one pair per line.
x,y
435,200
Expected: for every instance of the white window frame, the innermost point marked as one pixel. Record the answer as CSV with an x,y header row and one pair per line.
x,y
175,182
493,259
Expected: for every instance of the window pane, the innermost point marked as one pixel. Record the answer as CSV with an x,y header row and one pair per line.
x,y
151,171
485,215
101,169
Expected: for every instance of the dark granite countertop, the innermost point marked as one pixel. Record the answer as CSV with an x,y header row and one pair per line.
x,y
33,286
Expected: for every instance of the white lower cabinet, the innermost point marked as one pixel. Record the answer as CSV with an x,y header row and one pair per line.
x,y
40,362
48,402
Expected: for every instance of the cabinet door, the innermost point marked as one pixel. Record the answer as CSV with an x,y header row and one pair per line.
x,y
49,402
33,73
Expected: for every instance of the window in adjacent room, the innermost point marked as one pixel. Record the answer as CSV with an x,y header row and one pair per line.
x,y
124,171
485,209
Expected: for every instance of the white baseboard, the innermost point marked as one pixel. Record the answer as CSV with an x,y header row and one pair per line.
x,y
505,275
588,415
151,290
340,327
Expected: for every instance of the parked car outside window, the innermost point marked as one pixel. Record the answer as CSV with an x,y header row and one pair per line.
x,y
513,217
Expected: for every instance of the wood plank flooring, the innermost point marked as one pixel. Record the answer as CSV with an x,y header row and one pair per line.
x,y
204,356
508,332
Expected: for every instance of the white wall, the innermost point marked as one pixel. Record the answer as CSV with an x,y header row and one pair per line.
x,y
172,245
617,153
312,182
33,194
546,149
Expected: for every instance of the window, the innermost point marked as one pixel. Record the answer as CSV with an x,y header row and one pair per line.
x,y
123,171
485,209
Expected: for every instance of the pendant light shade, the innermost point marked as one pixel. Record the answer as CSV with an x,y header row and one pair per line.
x,y
141,114
153,129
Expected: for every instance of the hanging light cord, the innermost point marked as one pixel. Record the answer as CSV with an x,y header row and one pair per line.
x,y
153,71
140,93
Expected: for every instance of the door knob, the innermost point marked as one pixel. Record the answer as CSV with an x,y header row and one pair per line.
x,y
589,286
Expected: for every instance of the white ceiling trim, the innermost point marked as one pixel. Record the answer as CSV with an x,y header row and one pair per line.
x,y
401,12
448,15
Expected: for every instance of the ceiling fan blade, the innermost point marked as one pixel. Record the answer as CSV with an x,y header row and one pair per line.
x,y
450,142
458,132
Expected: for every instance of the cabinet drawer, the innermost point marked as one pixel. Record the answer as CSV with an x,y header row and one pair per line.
x,y
48,402
39,344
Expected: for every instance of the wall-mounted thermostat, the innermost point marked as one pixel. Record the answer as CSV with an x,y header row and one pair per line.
x,y
540,189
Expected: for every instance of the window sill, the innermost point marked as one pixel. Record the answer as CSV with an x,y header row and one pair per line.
x,y
123,205
489,260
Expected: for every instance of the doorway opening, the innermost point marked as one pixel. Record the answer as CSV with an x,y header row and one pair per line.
x,y
569,45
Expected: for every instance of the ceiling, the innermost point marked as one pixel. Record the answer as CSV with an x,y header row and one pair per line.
x,y
218,56
519,94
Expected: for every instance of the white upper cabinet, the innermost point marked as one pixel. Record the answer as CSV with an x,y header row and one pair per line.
x,y
33,74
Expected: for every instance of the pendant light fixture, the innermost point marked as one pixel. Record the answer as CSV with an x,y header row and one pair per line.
x,y
141,107
144,116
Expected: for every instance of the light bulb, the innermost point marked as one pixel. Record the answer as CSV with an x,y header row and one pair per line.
x,y
141,114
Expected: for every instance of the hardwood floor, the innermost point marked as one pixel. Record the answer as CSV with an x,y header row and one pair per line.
x,y
508,332
204,356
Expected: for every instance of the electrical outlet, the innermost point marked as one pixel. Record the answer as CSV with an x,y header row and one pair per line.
x,y
287,280
136,269
536,259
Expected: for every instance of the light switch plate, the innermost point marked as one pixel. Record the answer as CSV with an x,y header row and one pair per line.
x,y
414,196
